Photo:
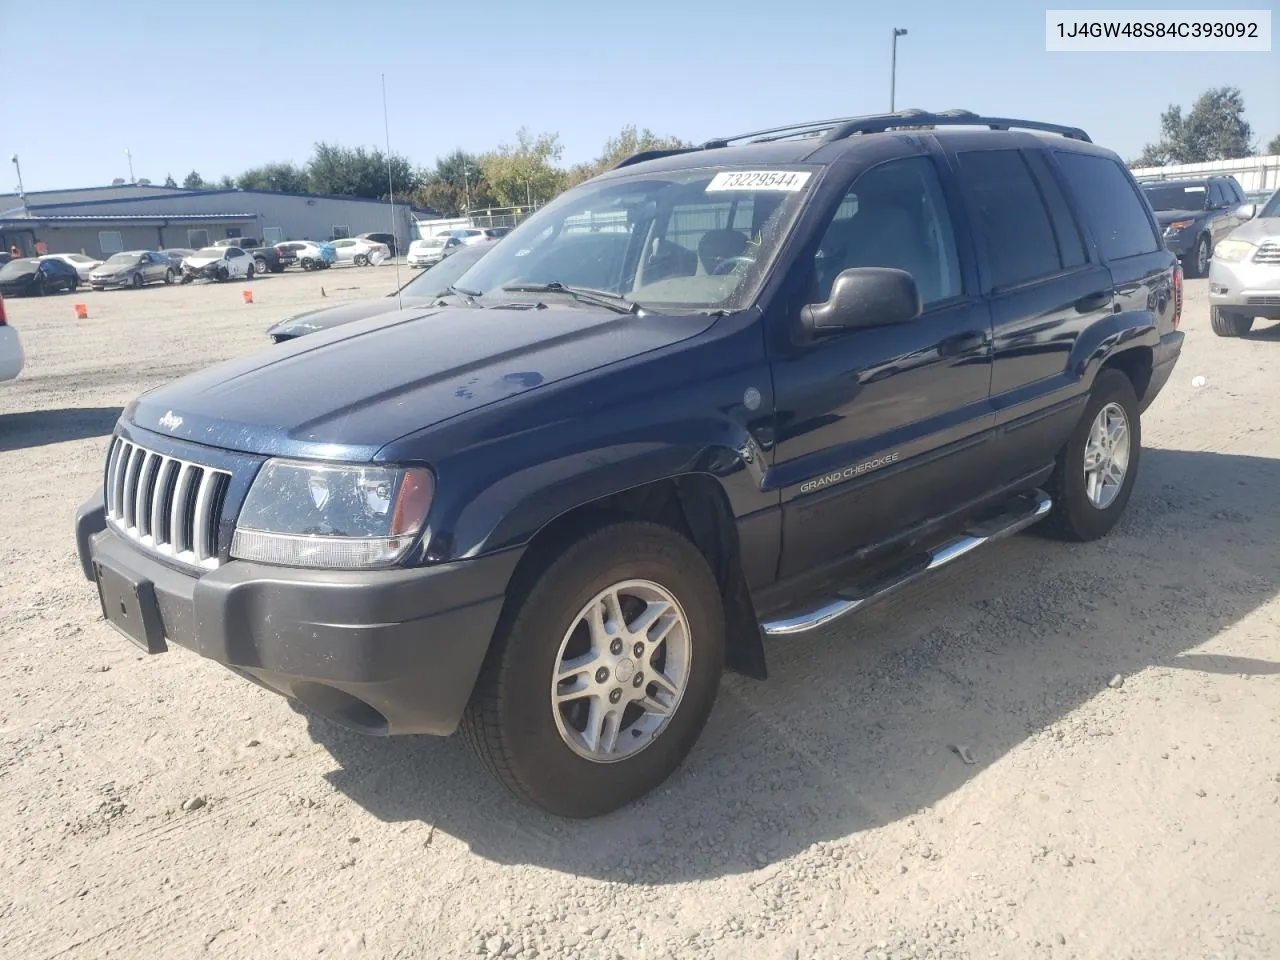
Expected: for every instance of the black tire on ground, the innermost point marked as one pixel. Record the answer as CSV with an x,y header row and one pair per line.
x,y
1197,262
137,281
249,273
361,260
278,268
169,275
260,263
1074,515
510,722
1228,323
73,285
40,287
221,274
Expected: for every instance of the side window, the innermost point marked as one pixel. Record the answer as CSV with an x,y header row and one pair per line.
x,y
1216,197
233,252
894,215
1010,217
1065,229
1116,212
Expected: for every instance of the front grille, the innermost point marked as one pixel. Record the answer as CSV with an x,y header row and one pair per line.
x,y
1269,252
1262,301
168,505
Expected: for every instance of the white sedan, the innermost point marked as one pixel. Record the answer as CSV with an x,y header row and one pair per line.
x,y
10,348
217,263
361,252
82,265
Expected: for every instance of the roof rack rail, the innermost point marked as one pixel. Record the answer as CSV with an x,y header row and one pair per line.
x,y
842,128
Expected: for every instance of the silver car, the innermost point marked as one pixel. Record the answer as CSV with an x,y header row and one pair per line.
x,y
1244,279
133,268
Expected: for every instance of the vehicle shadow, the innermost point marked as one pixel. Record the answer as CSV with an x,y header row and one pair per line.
x,y
856,725
35,428
1269,333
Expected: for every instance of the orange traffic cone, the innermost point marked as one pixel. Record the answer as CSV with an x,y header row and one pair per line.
x,y
248,296
82,311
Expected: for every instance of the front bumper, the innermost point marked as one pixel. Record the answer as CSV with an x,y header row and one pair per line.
x,y
1246,287
381,651
423,260
100,283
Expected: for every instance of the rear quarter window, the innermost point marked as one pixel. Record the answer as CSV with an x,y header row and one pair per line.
x,y
1111,204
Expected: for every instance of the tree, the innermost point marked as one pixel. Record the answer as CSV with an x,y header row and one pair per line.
x,y
227,182
525,173
359,172
1214,129
279,177
628,141
193,181
169,181
456,179
1273,147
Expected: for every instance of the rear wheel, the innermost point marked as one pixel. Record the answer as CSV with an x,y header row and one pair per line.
x,y
361,260
1228,323
1198,262
1095,471
260,264
602,673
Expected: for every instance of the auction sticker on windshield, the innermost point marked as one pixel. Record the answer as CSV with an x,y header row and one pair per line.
x,y
787,180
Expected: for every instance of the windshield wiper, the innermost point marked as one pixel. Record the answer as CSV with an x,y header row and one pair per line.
x,y
597,298
468,296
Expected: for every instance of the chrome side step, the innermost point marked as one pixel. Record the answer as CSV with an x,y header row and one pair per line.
x,y
1025,510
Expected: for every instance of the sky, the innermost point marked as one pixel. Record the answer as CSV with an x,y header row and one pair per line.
x,y
222,87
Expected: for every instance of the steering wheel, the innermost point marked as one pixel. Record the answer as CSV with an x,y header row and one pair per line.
x,y
731,265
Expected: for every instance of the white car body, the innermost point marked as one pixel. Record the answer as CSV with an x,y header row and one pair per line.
x,y
364,251
238,262
10,348
425,253
82,265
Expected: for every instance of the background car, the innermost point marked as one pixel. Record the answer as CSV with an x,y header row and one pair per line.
x,y
387,239
265,257
360,252
82,265
10,348
424,253
218,263
133,268
30,277
1244,279
176,256
471,235
424,289
1195,215
309,254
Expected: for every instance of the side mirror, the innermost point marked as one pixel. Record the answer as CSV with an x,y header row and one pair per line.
x,y
864,297
1247,210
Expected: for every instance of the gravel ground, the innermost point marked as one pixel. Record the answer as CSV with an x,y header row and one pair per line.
x,y
1119,703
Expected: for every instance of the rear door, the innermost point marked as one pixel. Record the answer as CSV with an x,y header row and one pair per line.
x,y
882,427
1044,291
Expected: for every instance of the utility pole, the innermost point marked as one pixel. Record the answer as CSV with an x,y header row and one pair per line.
x,y
528,195
22,194
466,187
893,65
129,155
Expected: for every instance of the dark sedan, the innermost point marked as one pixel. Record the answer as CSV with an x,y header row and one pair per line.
x,y
428,286
29,277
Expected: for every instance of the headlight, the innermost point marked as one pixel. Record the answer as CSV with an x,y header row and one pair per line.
x,y
340,517
1233,250
1178,225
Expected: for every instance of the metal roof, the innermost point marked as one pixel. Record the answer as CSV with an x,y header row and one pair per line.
x,y
124,218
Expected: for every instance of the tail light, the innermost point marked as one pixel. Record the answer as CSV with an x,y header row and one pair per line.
x,y
1177,293
3,321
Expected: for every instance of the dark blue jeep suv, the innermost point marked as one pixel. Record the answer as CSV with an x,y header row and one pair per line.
x,y
712,396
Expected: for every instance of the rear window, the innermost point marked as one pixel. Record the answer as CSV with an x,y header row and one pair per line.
x,y
1010,216
1111,205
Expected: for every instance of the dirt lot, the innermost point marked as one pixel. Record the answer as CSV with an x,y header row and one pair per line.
x,y
823,815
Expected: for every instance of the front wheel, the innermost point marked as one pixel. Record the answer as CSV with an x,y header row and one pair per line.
x,y
260,265
1095,471
1200,257
603,671
137,281
1227,323
361,260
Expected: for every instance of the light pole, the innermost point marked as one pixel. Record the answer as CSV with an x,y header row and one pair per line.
x,y
466,187
22,194
893,65
129,156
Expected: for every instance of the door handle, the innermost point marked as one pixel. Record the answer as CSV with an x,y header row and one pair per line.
x,y
1093,301
962,343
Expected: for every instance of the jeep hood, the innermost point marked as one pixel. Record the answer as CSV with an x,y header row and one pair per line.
x,y
345,393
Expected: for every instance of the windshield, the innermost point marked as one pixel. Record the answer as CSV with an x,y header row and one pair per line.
x,y
686,240
212,253
436,281
17,268
123,259
433,241
1176,196
1272,209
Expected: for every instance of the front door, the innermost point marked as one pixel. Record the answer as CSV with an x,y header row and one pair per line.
x,y
878,428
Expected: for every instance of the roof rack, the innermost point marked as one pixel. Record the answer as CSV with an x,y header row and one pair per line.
x,y
841,128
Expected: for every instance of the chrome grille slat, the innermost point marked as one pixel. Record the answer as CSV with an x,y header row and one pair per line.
x,y
166,504
1269,252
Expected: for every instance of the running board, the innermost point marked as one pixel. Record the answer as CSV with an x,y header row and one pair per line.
x,y
1022,512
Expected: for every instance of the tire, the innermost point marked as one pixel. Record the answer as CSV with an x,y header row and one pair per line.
x,y
221,274
1227,323
136,282
73,285
261,265
248,274
1076,515
361,260
41,288
168,276
1197,265
513,723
